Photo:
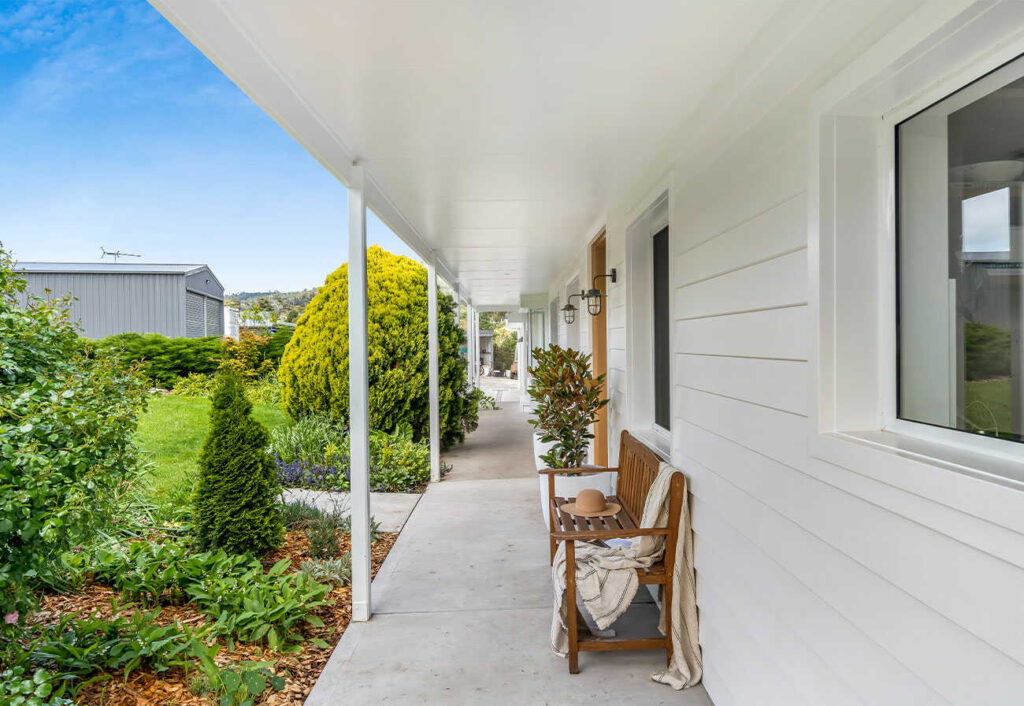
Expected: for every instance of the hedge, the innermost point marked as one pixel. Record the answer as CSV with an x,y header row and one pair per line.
x,y
163,360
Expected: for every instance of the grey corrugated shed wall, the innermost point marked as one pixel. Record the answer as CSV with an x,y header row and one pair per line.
x,y
108,303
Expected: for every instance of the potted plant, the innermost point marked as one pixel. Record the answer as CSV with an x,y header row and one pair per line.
x,y
567,399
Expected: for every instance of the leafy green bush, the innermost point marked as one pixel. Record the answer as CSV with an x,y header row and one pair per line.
x,y
246,602
397,463
163,360
261,607
194,385
40,689
234,504
83,646
987,351
314,453
314,368
66,456
240,684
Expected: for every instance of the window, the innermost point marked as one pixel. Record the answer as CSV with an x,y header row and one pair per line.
x,y
960,234
662,331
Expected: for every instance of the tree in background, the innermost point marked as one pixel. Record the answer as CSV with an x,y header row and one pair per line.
x,y
314,369
504,348
234,503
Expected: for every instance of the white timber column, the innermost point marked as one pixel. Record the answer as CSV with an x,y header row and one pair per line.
x,y
474,340
433,373
358,398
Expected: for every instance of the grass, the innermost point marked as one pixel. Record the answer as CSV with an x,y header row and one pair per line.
x,y
172,431
988,406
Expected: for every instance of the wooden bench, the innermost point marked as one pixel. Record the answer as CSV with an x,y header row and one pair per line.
x,y
638,466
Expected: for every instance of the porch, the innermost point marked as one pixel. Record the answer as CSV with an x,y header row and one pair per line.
x,y
462,606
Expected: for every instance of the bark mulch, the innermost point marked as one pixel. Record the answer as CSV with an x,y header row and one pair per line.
x,y
147,688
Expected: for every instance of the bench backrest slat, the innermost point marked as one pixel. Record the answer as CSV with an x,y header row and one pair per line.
x,y
638,466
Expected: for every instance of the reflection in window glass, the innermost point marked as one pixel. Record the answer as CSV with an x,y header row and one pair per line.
x,y
961,189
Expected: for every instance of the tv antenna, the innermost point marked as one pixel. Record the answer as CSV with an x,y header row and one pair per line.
x,y
116,254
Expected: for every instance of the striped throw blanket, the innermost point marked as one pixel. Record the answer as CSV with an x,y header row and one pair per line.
x,y
607,581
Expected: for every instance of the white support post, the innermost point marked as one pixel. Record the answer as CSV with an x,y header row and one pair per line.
x,y
358,399
474,341
433,353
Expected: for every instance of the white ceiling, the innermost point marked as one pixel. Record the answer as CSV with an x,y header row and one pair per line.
x,y
492,132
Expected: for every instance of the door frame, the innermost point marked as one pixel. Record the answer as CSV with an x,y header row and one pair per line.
x,y
598,257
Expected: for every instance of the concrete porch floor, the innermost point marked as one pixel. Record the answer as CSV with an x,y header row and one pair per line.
x,y
463,602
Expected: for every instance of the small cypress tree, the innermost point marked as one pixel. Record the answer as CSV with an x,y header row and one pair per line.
x,y
234,498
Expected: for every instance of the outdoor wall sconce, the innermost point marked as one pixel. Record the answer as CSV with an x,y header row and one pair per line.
x,y
569,311
594,295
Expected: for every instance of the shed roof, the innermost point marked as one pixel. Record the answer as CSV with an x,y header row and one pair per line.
x,y
110,267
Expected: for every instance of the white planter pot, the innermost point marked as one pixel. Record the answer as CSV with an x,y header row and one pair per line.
x,y
568,486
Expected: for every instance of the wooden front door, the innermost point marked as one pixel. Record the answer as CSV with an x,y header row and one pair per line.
x,y
599,345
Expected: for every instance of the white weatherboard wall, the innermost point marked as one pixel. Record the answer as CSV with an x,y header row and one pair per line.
x,y
818,583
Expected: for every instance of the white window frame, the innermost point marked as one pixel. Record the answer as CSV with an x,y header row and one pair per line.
x,y
653,216
851,218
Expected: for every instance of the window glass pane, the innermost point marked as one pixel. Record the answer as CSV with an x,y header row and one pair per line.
x,y
961,187
662,333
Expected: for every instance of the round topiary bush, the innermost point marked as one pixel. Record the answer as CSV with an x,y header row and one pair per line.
x,y
314,368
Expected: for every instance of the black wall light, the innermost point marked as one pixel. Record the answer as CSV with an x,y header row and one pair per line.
x,y
594,295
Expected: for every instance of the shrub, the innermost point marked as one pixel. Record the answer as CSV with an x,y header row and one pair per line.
x,y
314,453
247,356
987,351
568,400
40,688
504,348
314,368
163,360
337,572
194,385
66,425
276,344
234,504
322,534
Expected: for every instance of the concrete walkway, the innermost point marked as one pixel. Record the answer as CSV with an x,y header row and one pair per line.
x,y
463,603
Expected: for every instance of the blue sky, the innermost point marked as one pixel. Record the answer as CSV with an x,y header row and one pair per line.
x,y
116,132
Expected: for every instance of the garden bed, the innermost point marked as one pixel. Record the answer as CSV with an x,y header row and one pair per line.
x,y
146,687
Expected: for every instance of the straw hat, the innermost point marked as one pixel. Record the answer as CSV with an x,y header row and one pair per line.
x,y
591,503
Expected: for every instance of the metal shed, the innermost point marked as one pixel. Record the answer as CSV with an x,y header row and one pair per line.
x,y
170,299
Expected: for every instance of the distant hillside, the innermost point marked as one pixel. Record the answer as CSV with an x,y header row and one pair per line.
x,y
286,306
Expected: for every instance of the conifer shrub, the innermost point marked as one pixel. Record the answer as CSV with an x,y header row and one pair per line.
x,y
234,502
314,368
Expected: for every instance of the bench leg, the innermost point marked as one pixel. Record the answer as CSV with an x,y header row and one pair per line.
x,y
570,604
667,597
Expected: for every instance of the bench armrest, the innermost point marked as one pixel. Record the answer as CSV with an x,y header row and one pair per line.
x,y
576,471
610,534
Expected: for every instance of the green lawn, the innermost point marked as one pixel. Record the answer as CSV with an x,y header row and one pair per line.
x,y
988,406
173,429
